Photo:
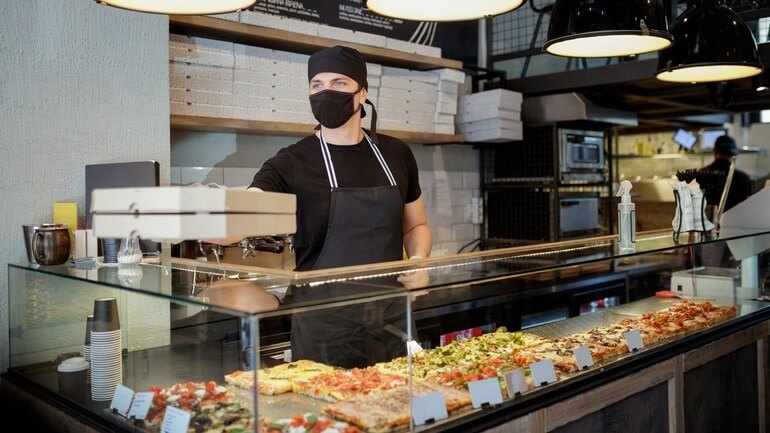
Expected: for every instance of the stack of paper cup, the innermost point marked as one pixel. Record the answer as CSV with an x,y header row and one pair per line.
x,y
87,344
106,361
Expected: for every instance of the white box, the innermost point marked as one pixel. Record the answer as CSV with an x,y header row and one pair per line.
x,y
373,80
444,129
481,125
395,82
427,50
190,109
252,51
465,115
410,47
270,91
499,97
707,282
444,119
201,97
452,75
410,95
425,76
446,108
370,39
448,87
390,124
373,69
447,98
400,104
201,71
494,135
232,16
274,104
297,26
203,44
198,57
271,78
260,19
204,84
405,115
337,33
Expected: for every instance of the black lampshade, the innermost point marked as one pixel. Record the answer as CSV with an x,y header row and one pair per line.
x,y
607,28
711,43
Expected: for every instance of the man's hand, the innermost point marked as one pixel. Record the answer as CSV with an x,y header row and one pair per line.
x,y
415,279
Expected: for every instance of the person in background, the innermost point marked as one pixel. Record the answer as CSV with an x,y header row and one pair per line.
x,y
358,202
741,187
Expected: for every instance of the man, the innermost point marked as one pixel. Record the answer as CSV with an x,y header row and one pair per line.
x,y
358,201
741,186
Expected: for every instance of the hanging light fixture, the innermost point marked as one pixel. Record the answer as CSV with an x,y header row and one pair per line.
x,y
180,7
441,10
607,28
711,43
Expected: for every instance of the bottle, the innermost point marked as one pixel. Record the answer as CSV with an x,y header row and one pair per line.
x,y
626,218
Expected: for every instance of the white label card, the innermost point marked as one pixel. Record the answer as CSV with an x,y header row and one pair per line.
x,y
486,391
583,358
141,405
428,408
543,372
175,421
634,340
121,400
516,383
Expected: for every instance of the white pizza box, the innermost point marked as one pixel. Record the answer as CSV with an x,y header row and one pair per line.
x,y
230,16
410,47
190,109
494,135
205,84
296,26
446,108
276,104
391,124
200,71
448,98
373,80
248,63
481,125
369,39
465,115
198,57
374,93
175,200
412,95
419,127
173,227
404,115
444,129
271,78
338,33
448,87
400,104
407,84
373,69
201,97
427,50
451,75
200,44
444,119
271,115
268,90
426,76
252,51
497,97
260,19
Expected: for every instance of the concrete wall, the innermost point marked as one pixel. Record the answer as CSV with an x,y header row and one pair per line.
x,y
449,175
80,83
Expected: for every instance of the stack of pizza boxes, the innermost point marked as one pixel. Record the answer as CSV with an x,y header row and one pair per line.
x,y
490,116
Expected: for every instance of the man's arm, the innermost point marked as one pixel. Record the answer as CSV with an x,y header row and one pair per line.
x,y
417,237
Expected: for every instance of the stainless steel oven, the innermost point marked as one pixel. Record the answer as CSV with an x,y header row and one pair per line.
x,y
578,214
581,155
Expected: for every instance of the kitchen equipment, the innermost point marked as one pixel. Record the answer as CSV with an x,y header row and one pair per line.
x,y
29,232
51,244
578,214
581,155
710,282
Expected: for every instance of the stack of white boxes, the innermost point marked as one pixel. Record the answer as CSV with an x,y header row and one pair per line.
x,y
407,100
490,116
446,105
201,76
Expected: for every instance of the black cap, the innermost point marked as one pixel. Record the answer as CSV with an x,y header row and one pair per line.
x,y
342,60
725,145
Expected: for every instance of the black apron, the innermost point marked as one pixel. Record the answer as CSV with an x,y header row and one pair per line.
x,y
365,226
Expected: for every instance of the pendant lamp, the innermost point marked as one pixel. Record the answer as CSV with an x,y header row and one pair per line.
x,y
711,43
607,28
180,7
441,10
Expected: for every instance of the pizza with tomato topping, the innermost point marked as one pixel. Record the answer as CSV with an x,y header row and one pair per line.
x,y
279,379
306,423
341,384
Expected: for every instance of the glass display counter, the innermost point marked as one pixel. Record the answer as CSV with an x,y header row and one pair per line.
x,y
553,337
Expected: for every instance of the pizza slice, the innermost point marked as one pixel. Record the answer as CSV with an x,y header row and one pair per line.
x,y
341,384
279,379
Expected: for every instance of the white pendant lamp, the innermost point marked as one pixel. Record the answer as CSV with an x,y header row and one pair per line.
x,y
180,7
441,10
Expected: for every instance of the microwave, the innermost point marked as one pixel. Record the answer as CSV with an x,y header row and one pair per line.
x,y
582,155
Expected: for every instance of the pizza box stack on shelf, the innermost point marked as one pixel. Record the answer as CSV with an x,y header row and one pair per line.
x,y
446,104
407,100
232,16
201,76
278,22
197,213
491,116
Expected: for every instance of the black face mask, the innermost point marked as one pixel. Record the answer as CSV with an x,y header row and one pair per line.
x,y
333,108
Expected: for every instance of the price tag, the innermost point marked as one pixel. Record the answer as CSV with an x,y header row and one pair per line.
x,y
543,372
515,382
428,408
583,358
141,405
634,340
121,400
175,421
485,392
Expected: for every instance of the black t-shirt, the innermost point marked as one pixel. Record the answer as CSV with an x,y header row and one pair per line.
x,y
741,186
299,169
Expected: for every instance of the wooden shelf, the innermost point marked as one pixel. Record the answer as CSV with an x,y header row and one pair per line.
x,y
215,124
297,42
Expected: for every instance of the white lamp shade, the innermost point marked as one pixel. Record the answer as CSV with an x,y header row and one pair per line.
x,y
608,45
442,10
708,73
180,7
